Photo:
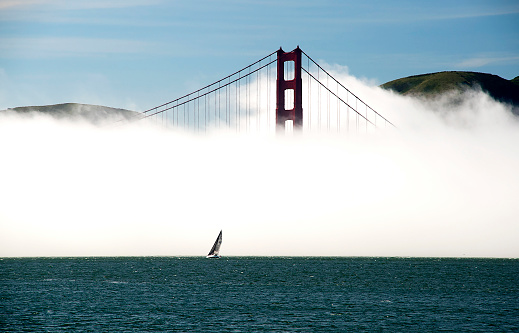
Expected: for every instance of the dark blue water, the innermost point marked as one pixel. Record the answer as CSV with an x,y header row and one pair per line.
x,y
259,294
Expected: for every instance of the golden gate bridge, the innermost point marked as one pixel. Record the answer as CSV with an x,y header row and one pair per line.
x,y
281,92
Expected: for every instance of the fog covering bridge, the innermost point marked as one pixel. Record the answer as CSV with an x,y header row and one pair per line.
x,y
281,92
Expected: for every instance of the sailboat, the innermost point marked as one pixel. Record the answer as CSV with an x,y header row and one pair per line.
x,y
215,250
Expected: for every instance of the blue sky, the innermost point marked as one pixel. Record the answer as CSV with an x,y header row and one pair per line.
x,y
139,53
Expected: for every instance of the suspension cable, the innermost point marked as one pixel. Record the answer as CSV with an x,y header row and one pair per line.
x,y
209,85
194,98
331,92
345,88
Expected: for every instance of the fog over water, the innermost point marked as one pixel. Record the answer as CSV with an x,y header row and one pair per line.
x,y
444,183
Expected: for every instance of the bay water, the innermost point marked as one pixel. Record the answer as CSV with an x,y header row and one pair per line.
x,y
259,294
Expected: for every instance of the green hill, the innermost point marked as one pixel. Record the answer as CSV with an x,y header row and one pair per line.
x,y
433,84
91,113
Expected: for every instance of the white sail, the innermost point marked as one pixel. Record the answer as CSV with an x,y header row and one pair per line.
x,y
215,250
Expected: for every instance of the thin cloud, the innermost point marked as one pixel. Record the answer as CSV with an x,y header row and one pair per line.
x,y
478,13
106,4
68,46
483,61
426,13
16,4
76,5
59,11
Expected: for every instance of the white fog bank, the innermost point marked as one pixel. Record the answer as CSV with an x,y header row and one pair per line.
x,y
444,183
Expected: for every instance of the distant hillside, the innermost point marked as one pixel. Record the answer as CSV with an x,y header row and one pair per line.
x,y
436,83
91,113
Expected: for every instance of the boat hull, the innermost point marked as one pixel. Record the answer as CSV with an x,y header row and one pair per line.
x,y
214,256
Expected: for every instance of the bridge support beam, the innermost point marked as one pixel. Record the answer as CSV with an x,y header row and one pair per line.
x,y
294,86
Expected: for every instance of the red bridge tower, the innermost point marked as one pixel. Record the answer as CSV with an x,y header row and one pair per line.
x,y
293,86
